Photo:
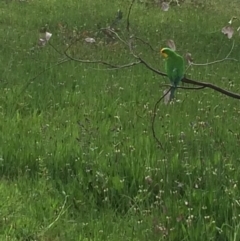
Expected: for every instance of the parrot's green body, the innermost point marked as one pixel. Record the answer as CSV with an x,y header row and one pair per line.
x,y
175,68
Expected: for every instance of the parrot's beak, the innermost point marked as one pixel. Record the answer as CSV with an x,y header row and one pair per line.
x,y
163,54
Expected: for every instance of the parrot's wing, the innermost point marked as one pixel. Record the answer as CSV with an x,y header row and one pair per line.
x,y
177,71
176,76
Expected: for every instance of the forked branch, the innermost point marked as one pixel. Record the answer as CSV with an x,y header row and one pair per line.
x,y
216,61
140,60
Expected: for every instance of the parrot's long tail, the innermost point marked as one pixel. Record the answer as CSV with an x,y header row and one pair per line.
x,y
172,91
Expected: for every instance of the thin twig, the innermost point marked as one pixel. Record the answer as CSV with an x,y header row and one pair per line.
x,y
186,88
59,52
120,66
128,16
144,42
154,118
113,67
62,211
70,45
216,61
42,72
116,34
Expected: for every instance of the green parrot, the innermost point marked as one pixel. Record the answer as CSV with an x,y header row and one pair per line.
x,y
175,68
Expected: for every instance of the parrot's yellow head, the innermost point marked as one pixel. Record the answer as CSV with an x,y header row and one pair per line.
x,y
166,52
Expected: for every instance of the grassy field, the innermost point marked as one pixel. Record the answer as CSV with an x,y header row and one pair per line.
x,y
78,160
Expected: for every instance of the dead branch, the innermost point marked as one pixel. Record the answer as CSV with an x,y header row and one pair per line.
x,y
42,72
144,42
185,80
216,61
212,86
140,60
154,117
116,34
112,66
117,67
128,16
185,88
194,82
62,211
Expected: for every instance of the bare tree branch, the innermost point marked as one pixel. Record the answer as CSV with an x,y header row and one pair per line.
x,y
116,34
154,117
45,70
112,66
216,61
142,61
128,16
119,66
143,41
186,88
59,52
194,82
212,86
62,211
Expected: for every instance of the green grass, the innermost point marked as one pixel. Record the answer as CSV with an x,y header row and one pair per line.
x,y
78,160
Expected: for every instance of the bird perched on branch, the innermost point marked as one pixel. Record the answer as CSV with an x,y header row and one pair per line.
x,y
175,68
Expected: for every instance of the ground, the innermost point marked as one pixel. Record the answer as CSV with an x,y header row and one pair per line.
x,y
78,158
